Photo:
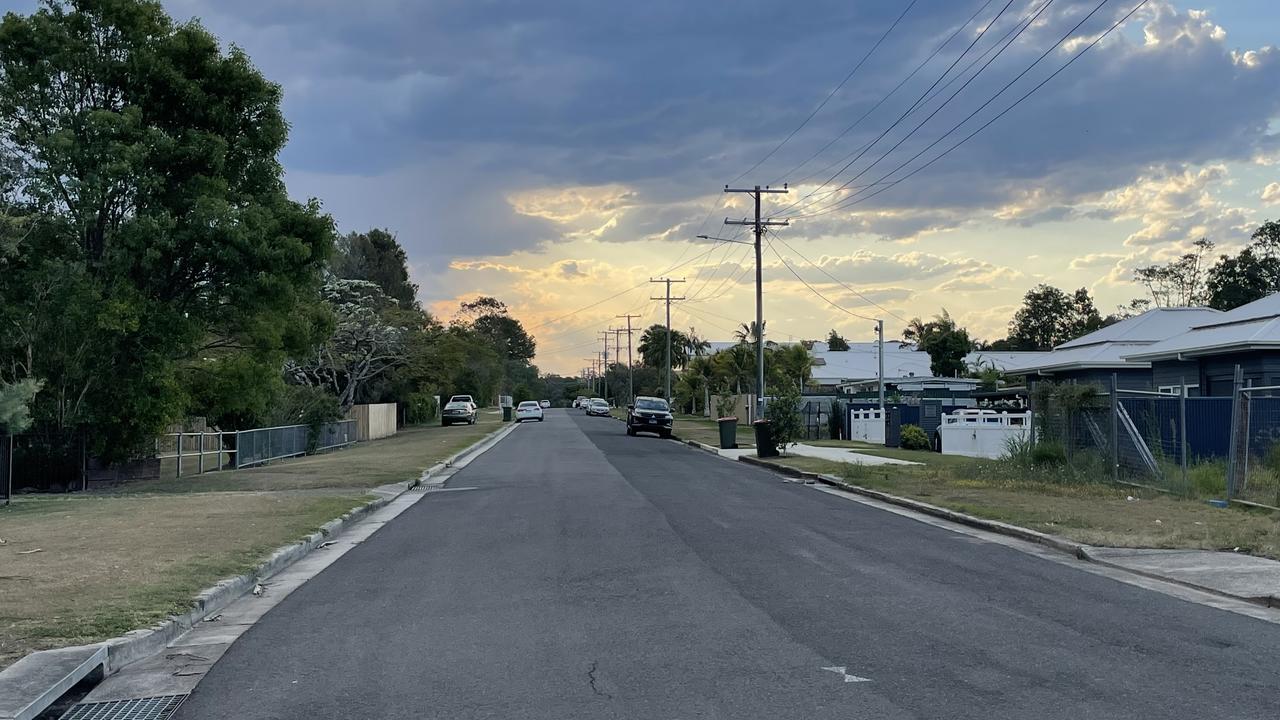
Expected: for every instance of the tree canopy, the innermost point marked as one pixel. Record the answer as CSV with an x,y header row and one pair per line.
x,y
1050,317
376,256
943,340
836,342
156,228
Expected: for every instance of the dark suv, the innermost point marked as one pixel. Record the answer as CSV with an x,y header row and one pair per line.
x,y
649,414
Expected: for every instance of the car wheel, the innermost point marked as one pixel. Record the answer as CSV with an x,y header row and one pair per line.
x,y
631,431
541,419
664,434
445,423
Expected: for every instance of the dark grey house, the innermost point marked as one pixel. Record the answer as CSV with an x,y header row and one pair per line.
x,y
1095,357
1207,354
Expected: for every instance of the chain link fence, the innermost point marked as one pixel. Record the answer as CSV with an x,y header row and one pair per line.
x,y
1217,448
1253,464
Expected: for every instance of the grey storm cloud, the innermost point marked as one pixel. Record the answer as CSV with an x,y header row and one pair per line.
x,y
427,116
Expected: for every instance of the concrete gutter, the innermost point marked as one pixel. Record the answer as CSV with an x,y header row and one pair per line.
x,y
36,681
1118,559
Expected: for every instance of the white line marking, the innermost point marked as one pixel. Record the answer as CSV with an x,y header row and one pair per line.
x,y
840,670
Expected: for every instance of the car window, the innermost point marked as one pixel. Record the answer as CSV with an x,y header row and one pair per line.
x,y
648,404
529,405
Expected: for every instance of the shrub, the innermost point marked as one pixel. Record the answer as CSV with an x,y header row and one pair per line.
x,y
783,414
725,405
421,408
1047,453
913,438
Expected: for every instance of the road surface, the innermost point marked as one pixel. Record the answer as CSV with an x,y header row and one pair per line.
x,y
586,574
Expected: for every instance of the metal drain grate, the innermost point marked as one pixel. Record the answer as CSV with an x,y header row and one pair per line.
x,y
152,708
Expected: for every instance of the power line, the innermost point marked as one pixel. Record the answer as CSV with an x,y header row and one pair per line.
x,y
960,89
619,294
827,99
838,281
853,200
882,100
814,290
900,118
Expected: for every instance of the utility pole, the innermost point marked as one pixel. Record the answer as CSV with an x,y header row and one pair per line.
x,y
880,355
604,367
669,299
617,349
631,370
591,374
759,226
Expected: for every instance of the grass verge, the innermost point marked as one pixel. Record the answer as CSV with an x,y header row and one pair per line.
x,y
1086,512
107,562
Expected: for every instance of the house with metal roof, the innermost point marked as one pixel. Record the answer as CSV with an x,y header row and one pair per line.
x,y
1095,357
1206,354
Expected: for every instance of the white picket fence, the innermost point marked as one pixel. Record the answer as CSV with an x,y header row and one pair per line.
x,y
982,433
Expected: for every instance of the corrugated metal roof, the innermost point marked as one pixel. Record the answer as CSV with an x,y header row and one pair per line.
x,y
1110,346
1151,326
1255,326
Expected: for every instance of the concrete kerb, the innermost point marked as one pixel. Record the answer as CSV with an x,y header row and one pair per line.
x,y
1267,601
1022,533
145,642
1077,550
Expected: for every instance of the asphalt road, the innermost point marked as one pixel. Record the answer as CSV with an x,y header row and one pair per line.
x,y
593,575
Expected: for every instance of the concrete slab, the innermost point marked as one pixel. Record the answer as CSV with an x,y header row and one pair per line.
x,y
33,683
1243,576
835,454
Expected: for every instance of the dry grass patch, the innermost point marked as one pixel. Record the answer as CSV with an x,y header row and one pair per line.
x,y
107,565
114,560
1092,513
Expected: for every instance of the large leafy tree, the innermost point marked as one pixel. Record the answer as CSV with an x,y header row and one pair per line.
x,y
943,340
1251,275
653,347
362,347
376,256
836,342
1180,283
158,232
1050,317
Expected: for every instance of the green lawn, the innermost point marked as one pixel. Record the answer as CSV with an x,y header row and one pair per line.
x,y
107,562
1094,513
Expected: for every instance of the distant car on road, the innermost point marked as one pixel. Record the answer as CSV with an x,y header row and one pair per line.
x,y
458,411
529,410
580,401
598,406
649,414
544,403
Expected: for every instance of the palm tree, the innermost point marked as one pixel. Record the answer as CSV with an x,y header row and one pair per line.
x,y
653,347
697,345
735,366
746,332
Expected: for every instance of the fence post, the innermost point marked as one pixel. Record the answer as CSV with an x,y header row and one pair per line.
x,y
1115,429
1182,424
179,454
200,462
8,475
1235,429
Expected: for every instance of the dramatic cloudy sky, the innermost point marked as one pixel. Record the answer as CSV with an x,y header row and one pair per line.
x,y
557,153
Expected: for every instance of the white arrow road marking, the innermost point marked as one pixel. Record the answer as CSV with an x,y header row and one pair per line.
x,y
840,670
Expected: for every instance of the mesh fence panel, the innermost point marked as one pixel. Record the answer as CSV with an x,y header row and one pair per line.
x,y
1258,476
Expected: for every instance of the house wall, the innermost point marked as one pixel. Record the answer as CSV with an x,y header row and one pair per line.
x,y
1171,373
1217,372
1126,378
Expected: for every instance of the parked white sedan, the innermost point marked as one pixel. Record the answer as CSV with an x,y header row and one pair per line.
x,y
528,410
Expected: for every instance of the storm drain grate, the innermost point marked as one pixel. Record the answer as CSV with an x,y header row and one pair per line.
x,y
152,708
